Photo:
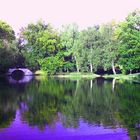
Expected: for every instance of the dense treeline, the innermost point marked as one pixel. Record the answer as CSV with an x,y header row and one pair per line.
x,y
112,47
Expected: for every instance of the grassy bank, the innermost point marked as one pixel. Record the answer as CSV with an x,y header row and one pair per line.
x,y
130,77
77,75
68,75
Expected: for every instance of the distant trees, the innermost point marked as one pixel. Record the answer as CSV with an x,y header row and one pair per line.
x,y
91,48
39,46
110,46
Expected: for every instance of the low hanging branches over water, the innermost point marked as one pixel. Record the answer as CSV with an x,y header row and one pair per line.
x,y
111,47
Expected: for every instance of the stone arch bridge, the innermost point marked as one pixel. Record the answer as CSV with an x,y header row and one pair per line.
x,y
24,71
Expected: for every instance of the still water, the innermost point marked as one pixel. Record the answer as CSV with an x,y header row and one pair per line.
x,y
61,109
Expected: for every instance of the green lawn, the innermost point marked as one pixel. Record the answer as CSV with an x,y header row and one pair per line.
x,y
77,75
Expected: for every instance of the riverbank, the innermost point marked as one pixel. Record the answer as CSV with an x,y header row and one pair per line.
x,y
77,75
69,75
130,77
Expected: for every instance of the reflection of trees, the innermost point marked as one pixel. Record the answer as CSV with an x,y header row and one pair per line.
x,y
96,105
129,107
44,100
93,101
42,110
10,98
8,104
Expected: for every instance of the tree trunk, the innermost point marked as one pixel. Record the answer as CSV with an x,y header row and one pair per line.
x,y
67,70
5,43
77,67
130,71
91,68
113,67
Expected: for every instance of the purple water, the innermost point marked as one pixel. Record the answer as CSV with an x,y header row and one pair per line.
x,y
20,130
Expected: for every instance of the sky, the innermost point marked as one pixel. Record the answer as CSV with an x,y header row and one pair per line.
x,y
19,13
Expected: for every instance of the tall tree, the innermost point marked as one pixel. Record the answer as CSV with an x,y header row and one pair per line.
x,y
110,45
7,47
129,38
69,39
91,42
41,46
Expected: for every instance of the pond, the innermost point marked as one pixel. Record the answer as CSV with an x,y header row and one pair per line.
x,y
62,109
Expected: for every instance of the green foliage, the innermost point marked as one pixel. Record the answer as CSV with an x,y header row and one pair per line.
x,y
129,36
6,32
91,43
110,44
42,47
69,38
8,51
7,58
105,47
51,64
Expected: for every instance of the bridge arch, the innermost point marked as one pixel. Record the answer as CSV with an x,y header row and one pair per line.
x,y
22,71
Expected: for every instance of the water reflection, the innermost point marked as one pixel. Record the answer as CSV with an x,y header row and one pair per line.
x,y
19,80
84,107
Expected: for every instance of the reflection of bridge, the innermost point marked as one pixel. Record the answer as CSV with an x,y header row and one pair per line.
x,y
25,79
23,70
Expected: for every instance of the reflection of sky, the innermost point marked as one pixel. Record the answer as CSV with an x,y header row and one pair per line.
x,y
19,130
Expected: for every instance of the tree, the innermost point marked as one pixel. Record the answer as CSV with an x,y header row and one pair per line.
x,y
129,44
110,45
91,42
51,64
41,45
69,39
7,47
6,34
